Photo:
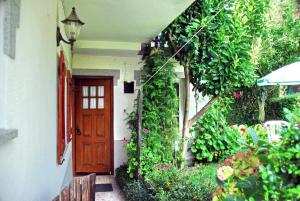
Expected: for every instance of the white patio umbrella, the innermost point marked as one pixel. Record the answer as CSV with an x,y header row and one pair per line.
x,y
287,75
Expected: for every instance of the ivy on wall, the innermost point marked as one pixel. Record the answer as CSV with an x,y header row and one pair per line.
x,y
160,126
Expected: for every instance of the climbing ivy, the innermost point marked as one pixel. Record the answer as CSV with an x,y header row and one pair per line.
x,y
160,126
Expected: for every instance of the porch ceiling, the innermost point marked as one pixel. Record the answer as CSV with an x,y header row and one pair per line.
x,y
130,21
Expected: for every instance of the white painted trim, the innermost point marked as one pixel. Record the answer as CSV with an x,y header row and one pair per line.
x,y
109,45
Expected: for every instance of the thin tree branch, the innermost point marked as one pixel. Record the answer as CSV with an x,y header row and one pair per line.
x,y
202,111
175,49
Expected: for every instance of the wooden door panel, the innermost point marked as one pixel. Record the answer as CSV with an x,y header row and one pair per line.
x,y
101,149
93,143
87,154
100,129
86,125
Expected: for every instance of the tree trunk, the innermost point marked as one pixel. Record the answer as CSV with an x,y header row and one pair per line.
x,y
139,134
261,105
185,128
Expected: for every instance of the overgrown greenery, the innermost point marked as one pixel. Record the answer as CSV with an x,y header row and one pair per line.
x,y
245,109
281,174
218,57
133,190
263,170
213,138
224,56
160,126
173,184
275,106
278,46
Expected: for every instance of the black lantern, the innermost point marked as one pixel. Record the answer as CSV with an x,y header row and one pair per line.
x,y
72,28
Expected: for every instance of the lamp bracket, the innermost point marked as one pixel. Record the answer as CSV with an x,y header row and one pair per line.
x,y
59,38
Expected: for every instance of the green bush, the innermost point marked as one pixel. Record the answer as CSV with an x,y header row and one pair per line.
x,y
175,184
214,138
239,178
245,108
264,171
281,174
122,177
133,190
275,107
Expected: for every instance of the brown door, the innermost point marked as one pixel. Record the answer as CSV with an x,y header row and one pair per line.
x,y
93,126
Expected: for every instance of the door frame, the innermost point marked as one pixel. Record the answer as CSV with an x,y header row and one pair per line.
x,y
111,79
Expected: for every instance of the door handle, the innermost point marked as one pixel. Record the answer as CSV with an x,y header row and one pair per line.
x,y
78,131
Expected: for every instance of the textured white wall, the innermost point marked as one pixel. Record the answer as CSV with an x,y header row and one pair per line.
x,y
28,169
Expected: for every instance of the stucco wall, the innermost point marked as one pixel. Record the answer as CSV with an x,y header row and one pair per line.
x,y
28,168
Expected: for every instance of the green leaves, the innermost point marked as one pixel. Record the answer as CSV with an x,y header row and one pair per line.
x,y
214,139
220,53
160,107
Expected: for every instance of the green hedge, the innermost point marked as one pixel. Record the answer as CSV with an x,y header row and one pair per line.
x,y
189,184
168,183
133,190
274,107
245,108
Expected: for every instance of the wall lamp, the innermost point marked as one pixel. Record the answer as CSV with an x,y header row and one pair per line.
x,y
72,29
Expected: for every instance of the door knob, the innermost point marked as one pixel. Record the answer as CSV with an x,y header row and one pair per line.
x,y
78,131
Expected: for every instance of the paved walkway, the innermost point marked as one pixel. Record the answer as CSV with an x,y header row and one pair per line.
x,y
115,195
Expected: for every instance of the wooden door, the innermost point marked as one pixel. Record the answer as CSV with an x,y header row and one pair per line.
x,y
93,126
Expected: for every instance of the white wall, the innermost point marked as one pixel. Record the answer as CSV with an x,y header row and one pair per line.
x,y
2,69
28,168
122,101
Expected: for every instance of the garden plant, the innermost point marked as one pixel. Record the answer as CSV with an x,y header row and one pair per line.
x,y
223,47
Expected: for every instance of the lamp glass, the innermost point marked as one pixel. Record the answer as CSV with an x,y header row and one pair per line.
x,y
73,26
72,30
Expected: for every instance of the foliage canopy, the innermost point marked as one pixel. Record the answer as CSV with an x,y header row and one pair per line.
x,y
219,56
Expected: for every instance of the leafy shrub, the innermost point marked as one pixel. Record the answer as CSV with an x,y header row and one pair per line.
x,y
250,135
239,178
214,138
281,174
245,108
175,184
122,177
275,107
133,190
265,171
